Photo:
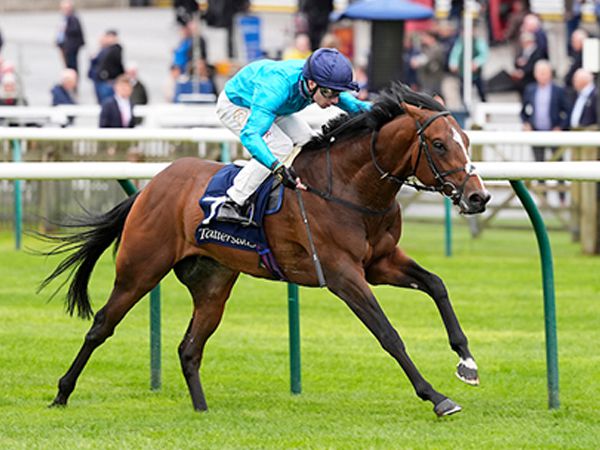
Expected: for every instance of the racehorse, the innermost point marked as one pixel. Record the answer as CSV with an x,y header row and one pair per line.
x,y
353,171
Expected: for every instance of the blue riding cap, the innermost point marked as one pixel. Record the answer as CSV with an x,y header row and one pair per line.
x,y
329,68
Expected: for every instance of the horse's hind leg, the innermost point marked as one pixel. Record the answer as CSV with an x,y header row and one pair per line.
x,y
210,285
138,271
397,269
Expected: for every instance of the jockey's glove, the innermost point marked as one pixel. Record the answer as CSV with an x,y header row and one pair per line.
x,y
286,175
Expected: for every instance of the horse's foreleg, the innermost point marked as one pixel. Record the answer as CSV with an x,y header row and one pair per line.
x,y
397,269
137,274
210,285
350,286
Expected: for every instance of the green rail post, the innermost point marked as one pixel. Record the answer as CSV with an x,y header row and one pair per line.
x,y
17,198
225,153
448,227
155,357
294,326
548,287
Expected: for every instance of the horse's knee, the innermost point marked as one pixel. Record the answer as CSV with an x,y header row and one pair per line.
x,y
434,286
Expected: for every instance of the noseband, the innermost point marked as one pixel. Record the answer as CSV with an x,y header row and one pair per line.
x,y
444,186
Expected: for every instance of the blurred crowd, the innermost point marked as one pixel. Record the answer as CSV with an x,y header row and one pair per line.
x,y
431,54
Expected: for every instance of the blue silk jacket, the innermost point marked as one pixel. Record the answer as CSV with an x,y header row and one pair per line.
x,y
270,89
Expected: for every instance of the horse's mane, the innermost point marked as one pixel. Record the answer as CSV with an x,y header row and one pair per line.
x,y
385,108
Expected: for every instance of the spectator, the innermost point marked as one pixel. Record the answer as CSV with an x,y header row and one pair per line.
x,y
102,89
110,64
480,56
514,23
139,95
446,36
70,35
220,14
330,40
317,15
185,10
8,67
533,24
545,108
10,94
529,54
572,20
64,93
544,103
360,74
576,57
184,52
117,111
583,112
199,81
300,49
429,63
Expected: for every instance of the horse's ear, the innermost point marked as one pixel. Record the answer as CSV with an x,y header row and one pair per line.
x,y
411,110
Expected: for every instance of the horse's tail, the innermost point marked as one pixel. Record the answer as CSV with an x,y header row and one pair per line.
x,y
86,247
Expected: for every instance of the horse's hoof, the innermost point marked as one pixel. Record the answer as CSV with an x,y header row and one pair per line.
x,y
466,371
446,407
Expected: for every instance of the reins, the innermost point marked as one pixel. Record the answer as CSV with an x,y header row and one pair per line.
x,y
445,187
328,196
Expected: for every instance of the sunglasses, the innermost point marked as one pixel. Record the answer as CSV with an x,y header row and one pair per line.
x,y
328,92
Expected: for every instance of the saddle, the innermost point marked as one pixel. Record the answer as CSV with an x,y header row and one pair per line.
x,y
242,236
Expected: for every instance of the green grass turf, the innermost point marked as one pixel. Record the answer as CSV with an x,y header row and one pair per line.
x,y
354,394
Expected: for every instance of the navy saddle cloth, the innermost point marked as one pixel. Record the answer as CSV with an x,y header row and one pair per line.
x,y
266,200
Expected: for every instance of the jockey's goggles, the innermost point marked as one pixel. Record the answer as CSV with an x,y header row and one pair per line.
x,y
328,92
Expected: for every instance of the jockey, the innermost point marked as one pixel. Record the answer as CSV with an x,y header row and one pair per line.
x,y
259,104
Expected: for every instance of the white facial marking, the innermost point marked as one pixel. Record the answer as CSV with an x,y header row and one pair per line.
x,y
469,167
459,140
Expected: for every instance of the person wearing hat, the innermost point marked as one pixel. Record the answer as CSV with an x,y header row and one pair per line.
x,y
259,104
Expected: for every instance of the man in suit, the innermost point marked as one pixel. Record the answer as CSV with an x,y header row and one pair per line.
x,y
117,111
545,107
108,65
529,54
575,57
70,36
583,113
64,92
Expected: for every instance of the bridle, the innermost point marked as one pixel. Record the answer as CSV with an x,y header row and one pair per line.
x,y
444,186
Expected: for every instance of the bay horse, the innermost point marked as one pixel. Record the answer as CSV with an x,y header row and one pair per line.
x,y
354,169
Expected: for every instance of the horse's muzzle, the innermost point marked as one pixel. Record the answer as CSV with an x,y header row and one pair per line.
x,y
475,202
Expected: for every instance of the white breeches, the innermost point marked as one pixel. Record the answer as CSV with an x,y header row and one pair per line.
x,y
284,134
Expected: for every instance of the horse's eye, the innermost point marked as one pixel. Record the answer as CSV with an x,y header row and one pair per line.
x,y
439,146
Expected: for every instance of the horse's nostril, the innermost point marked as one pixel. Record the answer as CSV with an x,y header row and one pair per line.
x,y
479,198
